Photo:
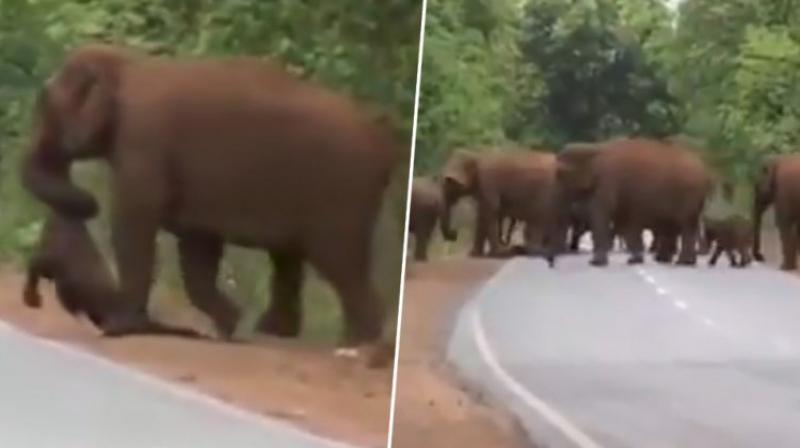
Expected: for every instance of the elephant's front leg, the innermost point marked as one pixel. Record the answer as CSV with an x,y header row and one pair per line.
x,y
489,215
688,255
284,317
139,198
483,224
200,259
601,233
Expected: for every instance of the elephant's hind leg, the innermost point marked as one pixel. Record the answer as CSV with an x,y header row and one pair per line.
x,y
788,244
347,267
284,317
633,239
715,255
199,260
731,257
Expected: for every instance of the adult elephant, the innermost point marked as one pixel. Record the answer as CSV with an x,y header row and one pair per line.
x,y
425,211
218,151
518,184
778,183
634,183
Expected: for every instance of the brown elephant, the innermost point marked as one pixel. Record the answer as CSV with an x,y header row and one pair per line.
x,y
219,151
425,209
778,183
68,256
732,235
517,184
632,184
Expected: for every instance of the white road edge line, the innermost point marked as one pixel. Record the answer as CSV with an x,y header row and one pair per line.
x,y
572,432
171,388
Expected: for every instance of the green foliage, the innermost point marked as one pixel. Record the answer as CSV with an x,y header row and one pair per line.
x,y
724,74
368,50
734,65
470,67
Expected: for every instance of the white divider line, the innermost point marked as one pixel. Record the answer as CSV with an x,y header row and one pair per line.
x,y
403,268
168,387
572,432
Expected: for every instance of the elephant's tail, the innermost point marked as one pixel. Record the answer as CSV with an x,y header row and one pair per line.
x,y
49,181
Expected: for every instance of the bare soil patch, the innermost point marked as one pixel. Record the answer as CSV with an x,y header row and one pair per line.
x,y
431,408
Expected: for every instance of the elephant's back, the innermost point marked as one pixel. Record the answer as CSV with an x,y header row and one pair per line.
x,y
252,106
651,159
531,165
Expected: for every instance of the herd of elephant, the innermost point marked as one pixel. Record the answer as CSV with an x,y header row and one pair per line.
x,y
617,188
215,151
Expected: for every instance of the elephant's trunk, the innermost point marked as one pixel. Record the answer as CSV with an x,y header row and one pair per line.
x,y
447,230
46,176
449,199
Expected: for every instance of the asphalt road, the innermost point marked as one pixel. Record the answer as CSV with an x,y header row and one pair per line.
x,y
54,396
640,357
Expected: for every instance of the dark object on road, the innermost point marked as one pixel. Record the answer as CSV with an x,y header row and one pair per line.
x,y
779,183
219,151
732,235
84,285
633,183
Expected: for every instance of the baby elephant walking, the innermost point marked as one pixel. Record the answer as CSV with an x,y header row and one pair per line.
x,y
732,235
68,256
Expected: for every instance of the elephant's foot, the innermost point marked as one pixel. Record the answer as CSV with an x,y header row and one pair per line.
x,y
599,260
636,259
123,323
788,266
686,261
663,259
280,325
226,328
759,257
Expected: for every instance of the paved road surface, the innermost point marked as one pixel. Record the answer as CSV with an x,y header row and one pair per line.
x,y
650,357
52,396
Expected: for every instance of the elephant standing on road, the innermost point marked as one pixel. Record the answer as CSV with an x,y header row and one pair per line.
x,y
515,184
218,151
425,211
634,183
778,183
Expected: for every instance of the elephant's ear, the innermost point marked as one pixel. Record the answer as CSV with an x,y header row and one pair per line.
x,y
82,97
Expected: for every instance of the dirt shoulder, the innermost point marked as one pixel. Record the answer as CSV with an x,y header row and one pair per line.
x,y
431,408
329,396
